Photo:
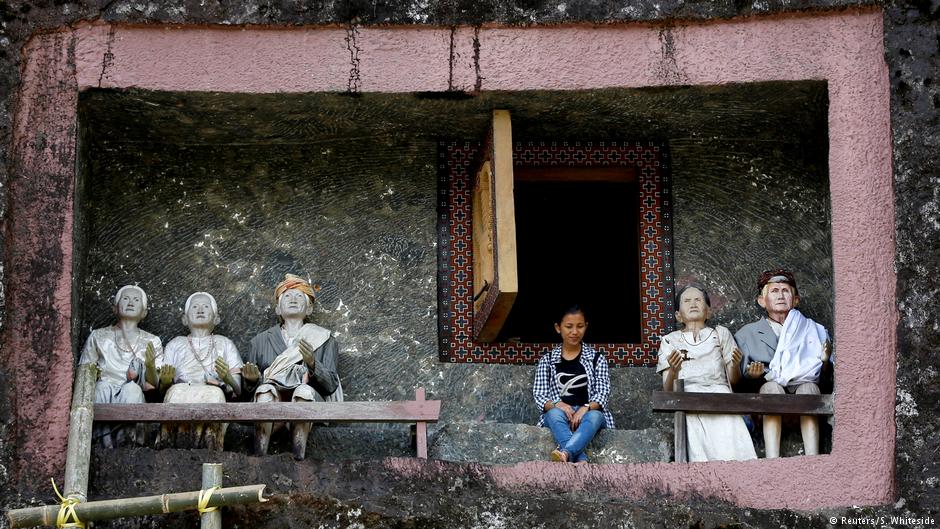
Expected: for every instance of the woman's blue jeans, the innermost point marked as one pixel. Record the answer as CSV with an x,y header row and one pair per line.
x,y
574,442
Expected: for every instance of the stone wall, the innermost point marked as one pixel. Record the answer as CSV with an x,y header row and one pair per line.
x,y
232,192
912,55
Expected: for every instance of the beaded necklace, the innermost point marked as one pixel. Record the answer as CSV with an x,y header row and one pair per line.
x,y
132,349
210,353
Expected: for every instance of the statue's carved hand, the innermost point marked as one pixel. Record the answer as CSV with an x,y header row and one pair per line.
x,y
755,370
736,357
307,352
150,357
250,373
675,360
224,371
221,368
167,374
150,368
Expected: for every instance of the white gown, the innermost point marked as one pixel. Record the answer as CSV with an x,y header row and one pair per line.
x,y
193,367
194,360
106,348
712,437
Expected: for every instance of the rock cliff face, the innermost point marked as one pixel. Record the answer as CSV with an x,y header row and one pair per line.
x,y
198,201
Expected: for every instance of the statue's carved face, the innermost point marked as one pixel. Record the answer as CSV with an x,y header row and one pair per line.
x,y
200,312
293,303
692,306
131,304
778,298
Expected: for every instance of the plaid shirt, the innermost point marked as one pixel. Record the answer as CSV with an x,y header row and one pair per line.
x,y
545,389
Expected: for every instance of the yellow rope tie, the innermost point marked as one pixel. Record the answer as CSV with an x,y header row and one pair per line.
x,y
67,516
204,496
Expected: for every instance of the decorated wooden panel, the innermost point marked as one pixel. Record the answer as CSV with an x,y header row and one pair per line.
x,y
457,163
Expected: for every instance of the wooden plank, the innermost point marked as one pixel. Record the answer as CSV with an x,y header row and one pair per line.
x,y
681,437
505,203
421,433
339,412
421,429
483,229
493,307
743,403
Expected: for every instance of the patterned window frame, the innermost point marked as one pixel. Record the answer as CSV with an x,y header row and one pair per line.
x,y
455,325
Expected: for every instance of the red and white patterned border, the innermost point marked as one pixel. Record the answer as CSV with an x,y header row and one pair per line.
x,y
455,306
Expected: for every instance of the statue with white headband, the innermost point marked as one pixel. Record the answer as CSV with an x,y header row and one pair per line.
x,y
206,369
129,359
786,352
292,361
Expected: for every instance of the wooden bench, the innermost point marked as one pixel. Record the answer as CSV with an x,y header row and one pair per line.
x,y
733,403
418,411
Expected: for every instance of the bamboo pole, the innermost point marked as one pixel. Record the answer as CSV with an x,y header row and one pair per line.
x,y
81,418
144,505
211,477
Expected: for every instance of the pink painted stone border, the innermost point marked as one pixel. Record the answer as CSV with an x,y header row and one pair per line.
x,y
842,48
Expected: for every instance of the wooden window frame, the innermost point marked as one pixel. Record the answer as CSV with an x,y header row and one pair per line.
x,y
455,245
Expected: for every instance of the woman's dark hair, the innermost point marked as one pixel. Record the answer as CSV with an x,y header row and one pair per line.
x,y
696,286
571,309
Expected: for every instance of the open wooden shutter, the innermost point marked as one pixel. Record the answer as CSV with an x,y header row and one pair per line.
x,y
495,277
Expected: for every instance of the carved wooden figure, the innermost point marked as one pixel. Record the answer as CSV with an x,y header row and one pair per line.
x,y
203,367
293,361
127,357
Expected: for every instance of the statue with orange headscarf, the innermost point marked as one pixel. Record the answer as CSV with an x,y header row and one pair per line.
x,y
293,361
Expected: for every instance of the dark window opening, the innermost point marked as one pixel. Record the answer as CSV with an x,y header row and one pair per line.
x,y
577,242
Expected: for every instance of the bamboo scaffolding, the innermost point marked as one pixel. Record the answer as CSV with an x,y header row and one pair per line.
x,y
81,418
140,506
211,477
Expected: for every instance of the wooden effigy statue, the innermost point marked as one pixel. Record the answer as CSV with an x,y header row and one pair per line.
x,y
206,368
128,358
785,352
293,361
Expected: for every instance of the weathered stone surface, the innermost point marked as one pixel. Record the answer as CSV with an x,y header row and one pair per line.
x,y
333,442
778,199
472,392
502,443
911,30
353,206
379,494
913,54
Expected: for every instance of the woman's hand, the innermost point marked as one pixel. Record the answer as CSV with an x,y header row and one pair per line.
x,y
576,419
569,411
